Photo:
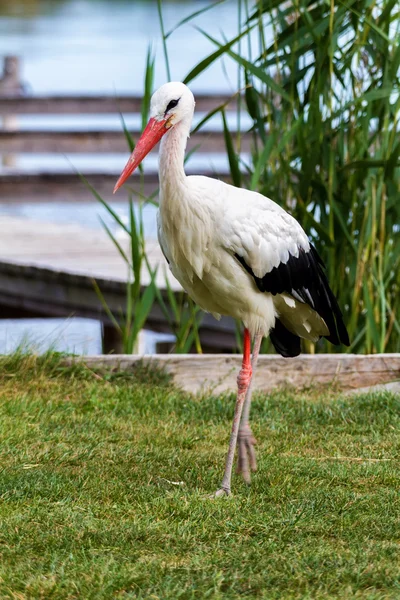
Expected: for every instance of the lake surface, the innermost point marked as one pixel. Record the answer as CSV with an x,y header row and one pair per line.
x,y
99,46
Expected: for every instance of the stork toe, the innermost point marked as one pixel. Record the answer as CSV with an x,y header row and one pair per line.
x,y
246,453
221,493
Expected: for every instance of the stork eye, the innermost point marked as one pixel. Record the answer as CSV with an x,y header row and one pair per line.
x,y
172,104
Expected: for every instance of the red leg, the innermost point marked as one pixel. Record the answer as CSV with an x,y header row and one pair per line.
x,y
243,380
245,372
246,441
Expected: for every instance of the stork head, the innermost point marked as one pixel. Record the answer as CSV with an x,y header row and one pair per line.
x,y
171,104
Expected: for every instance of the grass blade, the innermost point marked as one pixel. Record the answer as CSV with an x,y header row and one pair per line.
x,y
206,62
164,39
232,157
250,67
197,13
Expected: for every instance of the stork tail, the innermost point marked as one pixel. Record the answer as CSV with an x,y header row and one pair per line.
x,y
285,342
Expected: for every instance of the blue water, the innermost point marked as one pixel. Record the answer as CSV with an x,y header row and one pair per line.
x,y
101,45
86,214
74,335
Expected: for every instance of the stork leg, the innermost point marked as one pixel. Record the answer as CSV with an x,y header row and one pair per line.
x,y
246,441
243,381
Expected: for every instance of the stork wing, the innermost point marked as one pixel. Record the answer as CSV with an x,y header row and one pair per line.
x,y
273,248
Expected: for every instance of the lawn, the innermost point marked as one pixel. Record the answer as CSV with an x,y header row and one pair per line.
x,y
92,506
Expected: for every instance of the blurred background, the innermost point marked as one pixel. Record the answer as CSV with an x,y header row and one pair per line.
x,y
100,46
297,100
86,47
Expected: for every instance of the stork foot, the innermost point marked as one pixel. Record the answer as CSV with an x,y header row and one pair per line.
x,y
246,453
222,492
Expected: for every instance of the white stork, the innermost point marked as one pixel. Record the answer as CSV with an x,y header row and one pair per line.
x,y
236,253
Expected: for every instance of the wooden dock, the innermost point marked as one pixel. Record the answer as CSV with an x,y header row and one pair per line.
x,y
47,270
42,186
17,140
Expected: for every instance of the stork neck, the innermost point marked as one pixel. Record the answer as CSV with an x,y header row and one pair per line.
x,y
172,154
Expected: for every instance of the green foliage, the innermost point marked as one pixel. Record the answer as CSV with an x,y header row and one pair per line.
x,y
164,39
323,93
324,97
139,299
105,481
183,318
26,366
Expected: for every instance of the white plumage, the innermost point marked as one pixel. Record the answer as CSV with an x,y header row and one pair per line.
x,y
204,223
236,253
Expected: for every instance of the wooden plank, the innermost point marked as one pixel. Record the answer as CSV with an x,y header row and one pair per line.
x,y
75,249
54,293
393,387
10,80
48,270
217,373
19,186
86,104
37,141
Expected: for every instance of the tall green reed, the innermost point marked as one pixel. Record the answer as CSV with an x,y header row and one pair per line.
x,y
322,90
139,298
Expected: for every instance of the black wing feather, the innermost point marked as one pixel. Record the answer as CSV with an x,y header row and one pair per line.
x,y
303,277
285,342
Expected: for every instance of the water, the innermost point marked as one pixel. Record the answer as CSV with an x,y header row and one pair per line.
x,y
74,335
99,46
86,214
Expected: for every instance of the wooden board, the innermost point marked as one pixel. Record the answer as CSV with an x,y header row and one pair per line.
x,y
108,141
19,186
74,249
85,104
48,269
217,372
393,387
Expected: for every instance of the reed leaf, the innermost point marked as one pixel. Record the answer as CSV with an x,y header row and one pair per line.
x,y
148,86
232,157
164,39
206,62
325,89
250,67
192,16
114,241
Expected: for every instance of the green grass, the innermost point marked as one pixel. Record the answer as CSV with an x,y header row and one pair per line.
x,y
88,511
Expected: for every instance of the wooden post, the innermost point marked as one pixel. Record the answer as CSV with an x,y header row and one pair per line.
x,y
10,85
112,341
10,82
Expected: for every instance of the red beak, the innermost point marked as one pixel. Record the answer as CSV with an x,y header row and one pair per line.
x,y
151,135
